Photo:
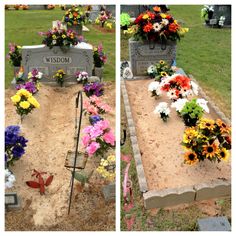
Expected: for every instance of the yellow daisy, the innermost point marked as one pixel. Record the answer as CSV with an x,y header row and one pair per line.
x,y
210,150
207,124
190,158
223,154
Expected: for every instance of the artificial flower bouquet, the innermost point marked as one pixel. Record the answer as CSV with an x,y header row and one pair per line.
x,y
29,86
19,76
82,77
160,70
24,102
59,76
93,88
74,16
107,168
9,179
60,37
153,25
15,145
209,139
94,106
50,7
93,119
98,138
162,110
103,17
99,56
14,55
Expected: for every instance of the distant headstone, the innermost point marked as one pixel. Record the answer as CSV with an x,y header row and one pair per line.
x,y
223,10
37,7
48,61
127,73
135,10
143,54
214,224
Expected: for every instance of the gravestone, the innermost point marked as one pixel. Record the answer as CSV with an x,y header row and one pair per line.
x,y
135,10
143,54
37,7
223,10
109,192
214,224
48,61
95,12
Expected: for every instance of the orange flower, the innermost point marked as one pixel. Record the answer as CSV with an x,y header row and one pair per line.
x,y
173,27
75,14
148,27
151,15
157,9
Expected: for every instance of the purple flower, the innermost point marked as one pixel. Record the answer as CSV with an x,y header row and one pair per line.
x,y
18,151
30,86
94,119
95,88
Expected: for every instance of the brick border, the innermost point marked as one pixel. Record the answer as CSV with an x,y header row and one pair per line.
x,y
173,196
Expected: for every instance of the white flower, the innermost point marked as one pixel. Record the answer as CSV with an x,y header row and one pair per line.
x,y
153,86
203,104
162,108
194,87
39,75
164,22
54,41
171,94
179,104
152,69
7,173
157,27
9,179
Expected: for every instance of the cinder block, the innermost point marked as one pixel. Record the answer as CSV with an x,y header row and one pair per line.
x,y
214,224
214,189
141,178
132,131
168,197
136,149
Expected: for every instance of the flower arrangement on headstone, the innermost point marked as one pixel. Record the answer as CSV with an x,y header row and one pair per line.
x,y
50,7
60,37
24,102
125,21
100,59
154,38
82,77
94,88
15,144
207,13
209,139
59,76
25,7
75,18
103,17
17,7
32,84
14,56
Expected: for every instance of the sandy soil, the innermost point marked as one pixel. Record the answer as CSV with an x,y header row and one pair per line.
x,y
50,131
159,143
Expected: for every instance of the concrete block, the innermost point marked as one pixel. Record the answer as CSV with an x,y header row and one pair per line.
x,y
214,224
214,189
168,197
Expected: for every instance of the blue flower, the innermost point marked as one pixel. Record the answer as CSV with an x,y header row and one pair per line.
x,y
14,129
94,119
18,151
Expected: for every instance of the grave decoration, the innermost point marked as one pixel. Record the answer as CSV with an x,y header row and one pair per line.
x,y
19,76
207,13
94,88
95,106
154,38
93,119
157,71
24,102
50,7
14,55
59,76
100,59
9,179
15,144
82,77
209,139
163,111
75,18
125,21
104,18
98,138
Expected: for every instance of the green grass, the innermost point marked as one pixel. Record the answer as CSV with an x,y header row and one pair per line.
x,y
203,52
22,27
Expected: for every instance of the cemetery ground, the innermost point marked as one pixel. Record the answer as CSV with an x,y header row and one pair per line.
x,y
50,131
204,53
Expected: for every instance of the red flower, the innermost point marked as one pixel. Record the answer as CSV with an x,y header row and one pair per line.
x,y
168,17
183,81
138,19
148,27
151,15
165,87
173,27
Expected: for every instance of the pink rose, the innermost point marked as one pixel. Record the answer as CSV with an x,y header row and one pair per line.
x,y
87,129
105,107
85,140
92,148
95,132
109,138
92,110
103,124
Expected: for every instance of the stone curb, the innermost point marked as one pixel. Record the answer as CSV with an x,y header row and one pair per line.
x,y
134,142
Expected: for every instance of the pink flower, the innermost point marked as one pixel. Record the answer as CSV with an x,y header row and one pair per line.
x,y
95,132
85,140
92,148
105,107
92,110
103,124
109,138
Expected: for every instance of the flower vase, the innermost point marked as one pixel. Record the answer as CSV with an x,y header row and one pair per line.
x,y
98,71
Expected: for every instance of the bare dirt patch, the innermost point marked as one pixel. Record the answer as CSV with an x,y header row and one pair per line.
x,y
159,143
50,131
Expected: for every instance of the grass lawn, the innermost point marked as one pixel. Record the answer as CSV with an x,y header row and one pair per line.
x,y
204,52
22,27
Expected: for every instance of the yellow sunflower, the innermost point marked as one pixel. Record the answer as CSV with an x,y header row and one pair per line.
x,y
223,127
210,150
190,158
189,135
161,62
163,74
207,124
223,154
